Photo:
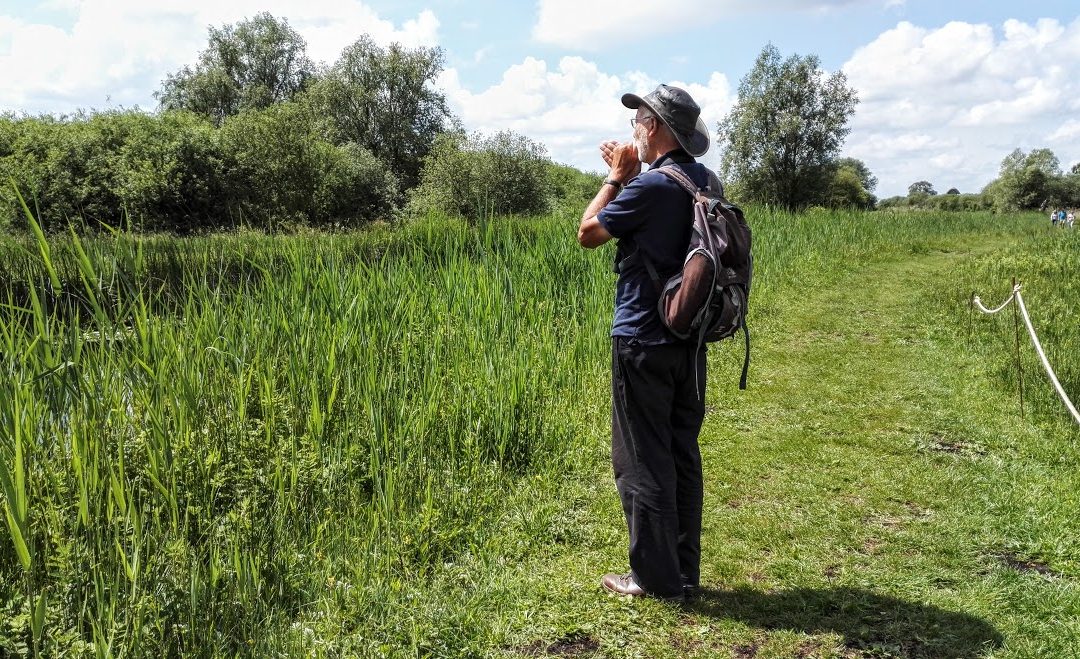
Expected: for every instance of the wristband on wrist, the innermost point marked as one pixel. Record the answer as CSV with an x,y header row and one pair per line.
x,y
613,182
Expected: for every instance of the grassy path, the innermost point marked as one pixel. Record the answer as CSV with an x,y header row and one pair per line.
x,y
856,505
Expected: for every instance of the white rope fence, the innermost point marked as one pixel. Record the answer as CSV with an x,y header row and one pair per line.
x,y
1015,295
979,305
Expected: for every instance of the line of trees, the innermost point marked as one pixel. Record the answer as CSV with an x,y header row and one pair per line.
x,y
257,134
1026,181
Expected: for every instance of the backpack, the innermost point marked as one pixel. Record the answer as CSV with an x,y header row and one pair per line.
x,y
707,299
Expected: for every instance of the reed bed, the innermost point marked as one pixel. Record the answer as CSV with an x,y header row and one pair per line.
x,y
1045,264
265,446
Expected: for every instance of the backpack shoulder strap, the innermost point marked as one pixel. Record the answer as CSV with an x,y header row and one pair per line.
x,y
675,173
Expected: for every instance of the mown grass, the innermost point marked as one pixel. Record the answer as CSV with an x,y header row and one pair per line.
x,y
861,499
359,444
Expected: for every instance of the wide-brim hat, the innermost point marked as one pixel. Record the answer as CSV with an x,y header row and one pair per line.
x,y
679,112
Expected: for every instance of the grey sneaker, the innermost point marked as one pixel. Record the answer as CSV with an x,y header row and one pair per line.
x,y
624,584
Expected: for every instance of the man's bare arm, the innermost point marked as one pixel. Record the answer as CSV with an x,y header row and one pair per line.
x,y
624,163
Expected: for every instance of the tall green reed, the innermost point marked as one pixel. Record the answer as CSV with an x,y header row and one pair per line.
x,y
202,425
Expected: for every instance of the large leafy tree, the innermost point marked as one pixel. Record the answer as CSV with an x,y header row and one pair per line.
x,y
786,129
1027,180
385,100
252,64
925,188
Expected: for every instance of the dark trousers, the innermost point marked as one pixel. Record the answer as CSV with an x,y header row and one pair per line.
x,y
657,410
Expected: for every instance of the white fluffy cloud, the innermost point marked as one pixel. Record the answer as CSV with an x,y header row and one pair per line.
x,y
947,104
599,24
570,108
119,49
1066,132
116,51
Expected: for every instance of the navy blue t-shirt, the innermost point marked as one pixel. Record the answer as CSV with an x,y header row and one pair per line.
x,y
652,214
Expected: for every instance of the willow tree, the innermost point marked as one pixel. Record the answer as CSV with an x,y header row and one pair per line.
x,y
385,99
784,133
253,64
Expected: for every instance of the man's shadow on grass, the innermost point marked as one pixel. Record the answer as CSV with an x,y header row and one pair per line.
x,y
867,620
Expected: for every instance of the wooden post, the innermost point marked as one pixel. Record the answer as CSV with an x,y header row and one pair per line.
x,y
971,312
1019,367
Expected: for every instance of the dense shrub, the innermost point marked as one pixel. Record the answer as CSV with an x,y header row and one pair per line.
x,y
846,190
573,187
477,176
354,187
116,168
60,166
175,171
271,169
280,171
167,172
961,202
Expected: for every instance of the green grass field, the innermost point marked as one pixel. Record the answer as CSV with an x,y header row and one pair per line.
x,y
395,443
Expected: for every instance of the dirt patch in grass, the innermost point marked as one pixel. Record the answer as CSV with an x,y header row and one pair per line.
x,y
1014,562
748,651
896,521
885,648
939,443
918,511
889,523
815,650
870,546
572,645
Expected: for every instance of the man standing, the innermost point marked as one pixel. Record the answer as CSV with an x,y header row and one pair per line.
x,y
657,409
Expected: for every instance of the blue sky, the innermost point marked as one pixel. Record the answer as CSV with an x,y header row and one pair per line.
x,y
947,89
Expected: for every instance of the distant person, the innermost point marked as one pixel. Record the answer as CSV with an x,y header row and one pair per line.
x,y
1053,217
657,409
1061,217
1070,218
